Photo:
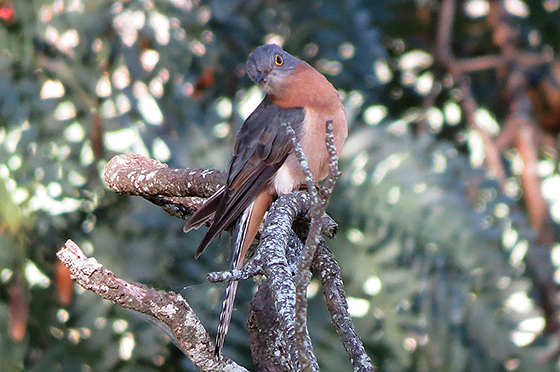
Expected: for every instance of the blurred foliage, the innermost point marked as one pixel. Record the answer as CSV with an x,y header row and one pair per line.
x,y
432,253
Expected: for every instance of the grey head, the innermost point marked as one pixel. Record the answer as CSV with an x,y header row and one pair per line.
x,y
268,65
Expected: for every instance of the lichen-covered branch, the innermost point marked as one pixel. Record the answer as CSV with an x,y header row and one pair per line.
x,y
278,322
170,308
328,270
138,175
272,319
179,192
306,356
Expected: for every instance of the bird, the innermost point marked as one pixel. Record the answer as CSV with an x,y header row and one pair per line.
x,y
263,165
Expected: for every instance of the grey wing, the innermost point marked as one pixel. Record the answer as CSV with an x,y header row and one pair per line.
x,y
261,148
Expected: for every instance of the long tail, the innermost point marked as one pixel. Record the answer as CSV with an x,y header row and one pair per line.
x,y
243,234
225,316
239,234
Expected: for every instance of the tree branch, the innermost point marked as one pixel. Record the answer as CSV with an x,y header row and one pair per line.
x,y
170,308
328,270
179,192
305,348
272,319
278,333
305,354
138,175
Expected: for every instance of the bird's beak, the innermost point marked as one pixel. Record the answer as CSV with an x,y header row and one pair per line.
x,y
260,76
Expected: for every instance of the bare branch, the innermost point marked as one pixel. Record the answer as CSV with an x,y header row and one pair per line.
x,y
526,60
179,192
306,357
170,308
325,265
445,27
272,318
445,56
280,270
333,165
138,175
281,341
272,321
177,207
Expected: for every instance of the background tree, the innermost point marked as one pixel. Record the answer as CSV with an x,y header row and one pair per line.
x,y
448,202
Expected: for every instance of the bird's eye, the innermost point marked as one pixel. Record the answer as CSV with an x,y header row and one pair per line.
x,y
278,60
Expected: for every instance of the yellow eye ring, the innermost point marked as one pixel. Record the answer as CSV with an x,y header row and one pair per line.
x,y
278,60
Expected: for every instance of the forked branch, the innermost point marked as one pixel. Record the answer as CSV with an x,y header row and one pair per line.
x,y
278,333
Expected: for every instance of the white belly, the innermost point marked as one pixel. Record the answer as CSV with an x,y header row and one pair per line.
x,y
284,182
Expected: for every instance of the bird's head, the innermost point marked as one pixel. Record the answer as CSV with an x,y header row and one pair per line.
x,y
268,65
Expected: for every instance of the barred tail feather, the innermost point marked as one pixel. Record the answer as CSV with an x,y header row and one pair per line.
x,y
239,234
225,316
